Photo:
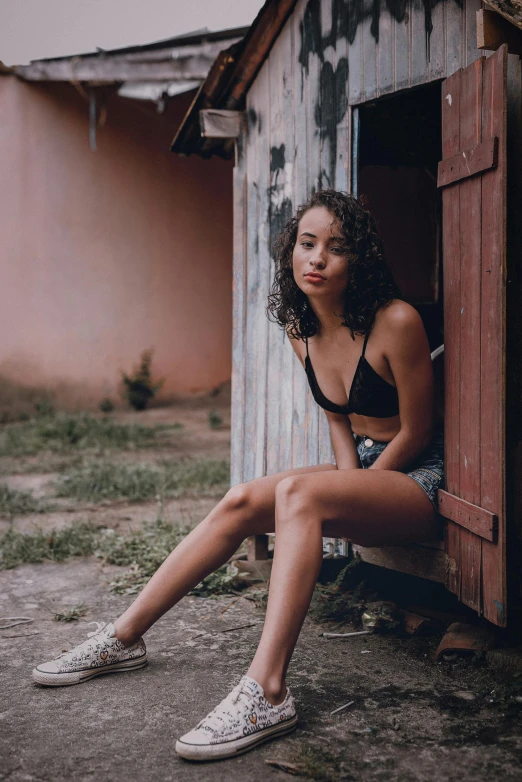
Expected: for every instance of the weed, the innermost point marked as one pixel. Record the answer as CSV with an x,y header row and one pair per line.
x,y
16,548
15,502
342,599
144,550
214,419
44,407
139,388
106,405
321,765
72,615
221,582
65,432
112,481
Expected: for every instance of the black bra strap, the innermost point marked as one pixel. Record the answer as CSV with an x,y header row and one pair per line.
x,y
365,343
306,342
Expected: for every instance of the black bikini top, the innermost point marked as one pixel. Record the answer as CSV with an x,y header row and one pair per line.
x,y
370,394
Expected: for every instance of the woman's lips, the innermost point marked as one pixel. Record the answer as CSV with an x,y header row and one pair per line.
x,y
314,277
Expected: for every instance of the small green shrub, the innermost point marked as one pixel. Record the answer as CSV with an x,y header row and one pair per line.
x,y
139,388
106,405
44,407
66,432
214,419
15,502
79,540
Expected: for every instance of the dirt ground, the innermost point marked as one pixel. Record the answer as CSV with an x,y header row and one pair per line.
x,y
411,719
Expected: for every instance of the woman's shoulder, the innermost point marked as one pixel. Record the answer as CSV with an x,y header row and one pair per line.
x,y
398,317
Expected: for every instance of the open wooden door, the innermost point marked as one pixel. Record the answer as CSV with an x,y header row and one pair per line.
x,y
473,177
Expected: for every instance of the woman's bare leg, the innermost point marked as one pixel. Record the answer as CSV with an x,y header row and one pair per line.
x,y
247,509
370,507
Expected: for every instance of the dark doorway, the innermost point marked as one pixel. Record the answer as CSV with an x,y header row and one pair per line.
x,y
397,147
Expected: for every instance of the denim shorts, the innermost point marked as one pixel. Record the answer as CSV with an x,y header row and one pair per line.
x,y
427,469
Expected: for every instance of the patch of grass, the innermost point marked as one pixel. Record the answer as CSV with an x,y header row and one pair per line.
x,y
322,765
72,615
112,481
65,432
146,549
15,502
16,548
41,464
142,551
214,419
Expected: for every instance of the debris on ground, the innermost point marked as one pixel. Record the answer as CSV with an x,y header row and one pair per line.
x,y
462,637
72,614
381,615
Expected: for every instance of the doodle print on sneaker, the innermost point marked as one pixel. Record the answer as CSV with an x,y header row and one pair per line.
x,y
100,653
240,722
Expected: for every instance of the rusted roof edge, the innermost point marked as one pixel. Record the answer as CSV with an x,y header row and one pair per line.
x,y
165,43
229,79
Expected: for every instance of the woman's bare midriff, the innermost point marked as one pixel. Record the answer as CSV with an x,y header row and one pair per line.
x,y
381,429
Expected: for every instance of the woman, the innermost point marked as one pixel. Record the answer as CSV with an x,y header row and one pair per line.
x,y
367,360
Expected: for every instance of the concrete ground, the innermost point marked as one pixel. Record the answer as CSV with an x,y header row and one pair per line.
x,y
411,718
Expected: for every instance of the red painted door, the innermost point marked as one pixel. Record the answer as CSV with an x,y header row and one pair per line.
x,y
472,176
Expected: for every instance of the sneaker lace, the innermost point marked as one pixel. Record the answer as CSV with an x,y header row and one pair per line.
x,y
99,628
241,701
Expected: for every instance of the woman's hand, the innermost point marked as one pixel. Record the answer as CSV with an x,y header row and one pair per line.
x,y
343,443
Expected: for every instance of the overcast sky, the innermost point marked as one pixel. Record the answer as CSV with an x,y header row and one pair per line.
x,y
32,29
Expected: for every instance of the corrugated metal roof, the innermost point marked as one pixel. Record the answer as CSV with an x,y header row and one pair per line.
x,y
196,37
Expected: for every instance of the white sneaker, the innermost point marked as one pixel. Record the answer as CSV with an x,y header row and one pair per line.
x,y
100,653
240,722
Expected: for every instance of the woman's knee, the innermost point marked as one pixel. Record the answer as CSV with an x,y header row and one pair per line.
x,y
293,493
237,508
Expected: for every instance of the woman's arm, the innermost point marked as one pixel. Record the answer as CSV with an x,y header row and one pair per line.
x,y
408,354
343,443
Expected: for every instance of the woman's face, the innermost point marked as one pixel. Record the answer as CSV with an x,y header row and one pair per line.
x,y
320,259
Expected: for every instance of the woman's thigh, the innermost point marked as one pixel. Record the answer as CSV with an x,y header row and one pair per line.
x,y
257,497
370,507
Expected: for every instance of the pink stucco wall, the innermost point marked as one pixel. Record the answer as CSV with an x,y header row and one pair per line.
x,y
104,254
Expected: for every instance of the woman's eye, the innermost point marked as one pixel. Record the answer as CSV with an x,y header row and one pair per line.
x,y
306,244
337,250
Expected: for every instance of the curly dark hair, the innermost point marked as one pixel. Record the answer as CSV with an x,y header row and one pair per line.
x,y
370,282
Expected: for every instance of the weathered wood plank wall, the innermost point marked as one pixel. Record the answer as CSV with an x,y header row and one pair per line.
x,y
331,54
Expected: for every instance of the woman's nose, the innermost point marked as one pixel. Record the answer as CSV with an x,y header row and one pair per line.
x,y
318,258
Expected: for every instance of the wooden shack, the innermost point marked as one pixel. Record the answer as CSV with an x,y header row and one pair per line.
x,y
396,102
